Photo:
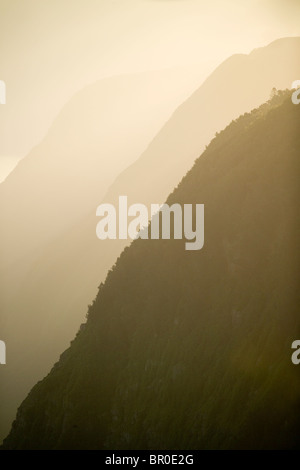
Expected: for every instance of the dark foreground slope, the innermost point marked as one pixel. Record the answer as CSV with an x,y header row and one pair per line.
x,y
192,349
75,159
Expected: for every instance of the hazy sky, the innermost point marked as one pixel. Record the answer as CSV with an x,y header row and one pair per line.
x,y
50,49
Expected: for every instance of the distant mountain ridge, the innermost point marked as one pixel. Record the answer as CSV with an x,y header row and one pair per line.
x,y
192,350
74,263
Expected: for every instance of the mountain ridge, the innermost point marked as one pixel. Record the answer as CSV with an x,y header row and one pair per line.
x,y
192,349
75,262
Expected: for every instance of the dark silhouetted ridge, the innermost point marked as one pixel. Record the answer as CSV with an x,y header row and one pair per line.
x,y
192,349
